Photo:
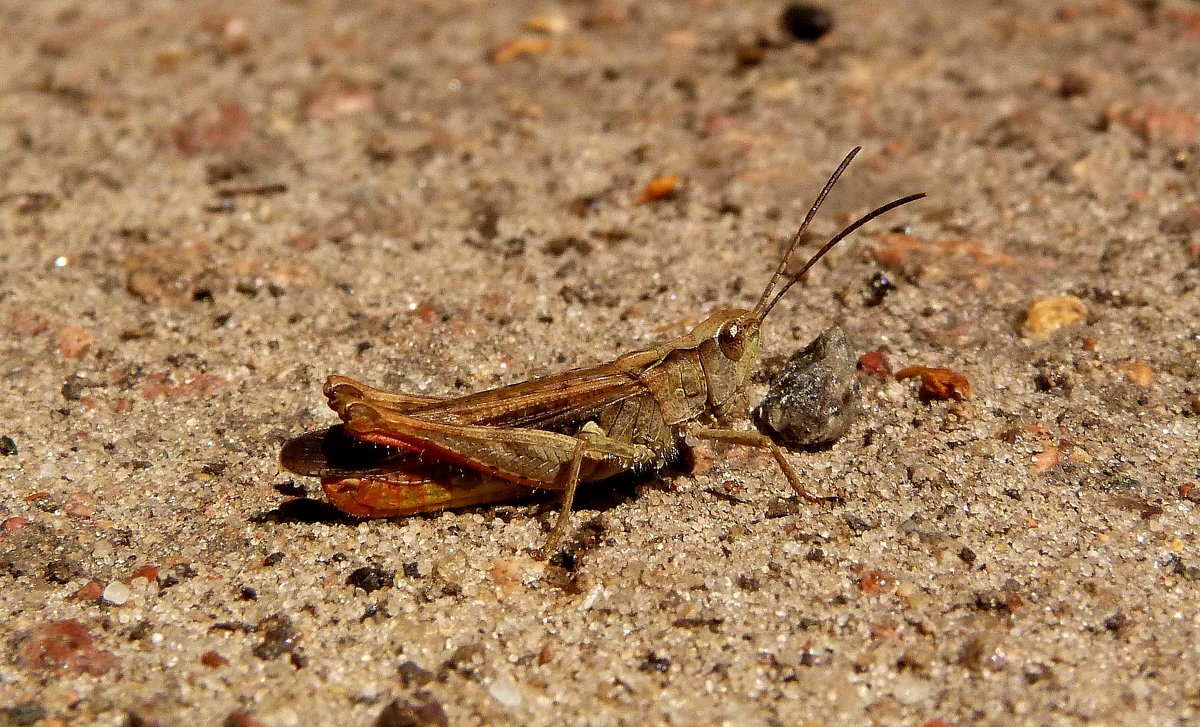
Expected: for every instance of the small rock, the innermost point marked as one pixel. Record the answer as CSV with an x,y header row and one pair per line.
x,y
1138,373
504,691
25,713
213,660
655,664
240,718
874,363
218,128
371,579
8,446
14,524
880,286
816,398
1046,315
938,384
403,713
749,54
910,690
90,591
872,581
1074,82
74,341
857,524
997,600
413,674
982,651
116,593
658,188
279,637
336,98
63,647
748,583
148,571
805,22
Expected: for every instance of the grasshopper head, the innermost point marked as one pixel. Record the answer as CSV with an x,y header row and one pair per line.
x,y
728,343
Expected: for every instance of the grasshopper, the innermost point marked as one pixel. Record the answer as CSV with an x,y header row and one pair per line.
x,y
399,454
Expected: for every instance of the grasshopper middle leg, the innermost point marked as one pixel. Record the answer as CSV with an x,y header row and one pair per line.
x,y
593,445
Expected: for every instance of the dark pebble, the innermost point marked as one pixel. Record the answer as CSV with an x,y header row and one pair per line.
x,y
819,657
139,631
857,524
880,285
371,579
273,559
8,446
290,488
1117,622
413,674
72,389
405,713
1179,568
655,663
564,559
991,600
279,637
25,713
61,571
782,507
464,660
806,22
748,583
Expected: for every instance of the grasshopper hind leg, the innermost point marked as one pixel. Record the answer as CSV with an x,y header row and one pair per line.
x,y
343,391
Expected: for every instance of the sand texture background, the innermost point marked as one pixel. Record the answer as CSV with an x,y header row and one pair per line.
x,y
208,208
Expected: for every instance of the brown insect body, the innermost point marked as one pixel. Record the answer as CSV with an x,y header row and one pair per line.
x,y
580,426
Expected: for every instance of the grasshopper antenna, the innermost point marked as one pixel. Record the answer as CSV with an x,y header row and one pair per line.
x,y
770,297
762,308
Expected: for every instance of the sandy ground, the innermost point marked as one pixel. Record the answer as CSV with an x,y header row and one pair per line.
x,y
205,211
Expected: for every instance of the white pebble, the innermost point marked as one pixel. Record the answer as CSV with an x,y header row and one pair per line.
x,y
505,692
116,593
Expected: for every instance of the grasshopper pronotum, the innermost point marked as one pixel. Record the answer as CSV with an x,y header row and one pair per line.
x,y
400,454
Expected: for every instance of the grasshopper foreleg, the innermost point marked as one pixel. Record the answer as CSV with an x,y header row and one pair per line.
x,y
761,441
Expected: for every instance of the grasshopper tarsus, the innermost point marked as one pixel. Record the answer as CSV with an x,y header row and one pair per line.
x,y
563,431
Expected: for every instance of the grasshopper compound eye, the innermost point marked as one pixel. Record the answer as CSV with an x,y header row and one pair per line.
x,y
732,340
